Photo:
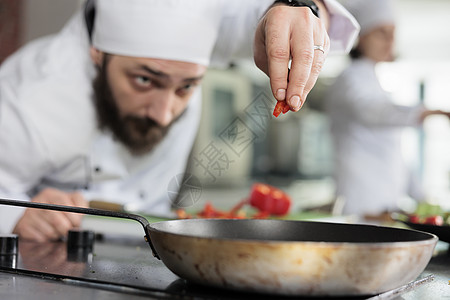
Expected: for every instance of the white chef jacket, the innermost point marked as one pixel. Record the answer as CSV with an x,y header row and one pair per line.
x,y
48,129
365,124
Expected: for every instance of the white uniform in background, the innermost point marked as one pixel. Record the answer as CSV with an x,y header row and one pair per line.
x,y
369,169
48,129
370,173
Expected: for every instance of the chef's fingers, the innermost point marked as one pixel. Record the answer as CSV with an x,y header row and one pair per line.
x,y
31,233
54,196
53,224
277,51
60,221
39,224
317,65
34,225
304,61
289,33
77,200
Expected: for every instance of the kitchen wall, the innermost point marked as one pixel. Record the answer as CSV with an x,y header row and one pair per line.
x,y
46,16
24,20
10,26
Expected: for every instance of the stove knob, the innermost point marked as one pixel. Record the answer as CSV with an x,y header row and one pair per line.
x,y
80,239
9,244
9,248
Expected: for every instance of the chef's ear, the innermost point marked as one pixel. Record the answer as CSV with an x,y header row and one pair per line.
x,y
96,56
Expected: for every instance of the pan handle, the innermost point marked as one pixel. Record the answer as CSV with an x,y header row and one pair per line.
x,y
88,211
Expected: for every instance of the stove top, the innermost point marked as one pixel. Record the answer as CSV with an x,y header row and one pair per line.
x,y
122,265
121,262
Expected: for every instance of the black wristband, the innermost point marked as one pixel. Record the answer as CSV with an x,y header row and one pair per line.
x,y
301,3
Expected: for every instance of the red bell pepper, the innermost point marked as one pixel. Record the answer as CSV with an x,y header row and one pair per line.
x,y
281,107
269,199
210,212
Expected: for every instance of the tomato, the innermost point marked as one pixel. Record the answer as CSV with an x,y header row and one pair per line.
x,y
269,199
435,220
281,107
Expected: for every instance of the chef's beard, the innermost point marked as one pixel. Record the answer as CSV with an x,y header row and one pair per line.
x,y
139,135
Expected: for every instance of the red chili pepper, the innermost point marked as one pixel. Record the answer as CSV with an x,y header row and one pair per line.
x,y
269,199
281,107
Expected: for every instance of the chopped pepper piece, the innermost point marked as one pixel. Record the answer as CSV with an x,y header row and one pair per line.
x,y
267,199
281,107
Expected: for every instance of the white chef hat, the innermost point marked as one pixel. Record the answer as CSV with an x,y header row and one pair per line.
x,y
370,13
182,30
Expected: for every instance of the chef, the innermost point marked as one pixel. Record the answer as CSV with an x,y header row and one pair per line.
x,y
108,108
366,125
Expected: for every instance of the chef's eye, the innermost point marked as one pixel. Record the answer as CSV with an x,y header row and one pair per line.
x,y
142,81
187,88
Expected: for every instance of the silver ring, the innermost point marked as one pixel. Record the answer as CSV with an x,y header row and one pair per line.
x,y
319,47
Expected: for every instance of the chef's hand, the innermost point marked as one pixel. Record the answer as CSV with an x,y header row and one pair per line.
x,y
42,225
286,33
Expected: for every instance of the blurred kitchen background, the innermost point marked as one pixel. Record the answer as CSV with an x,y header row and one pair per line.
x,y
240,143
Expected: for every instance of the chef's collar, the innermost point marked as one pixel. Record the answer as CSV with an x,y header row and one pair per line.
x,y
181,30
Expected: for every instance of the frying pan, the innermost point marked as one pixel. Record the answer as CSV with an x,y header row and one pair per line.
x,y
279,256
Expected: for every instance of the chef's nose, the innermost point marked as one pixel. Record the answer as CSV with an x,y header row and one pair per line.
x,y
162,107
